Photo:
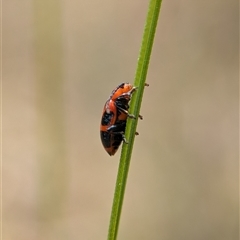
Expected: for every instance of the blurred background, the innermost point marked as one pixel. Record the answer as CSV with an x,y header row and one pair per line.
x,y
61,60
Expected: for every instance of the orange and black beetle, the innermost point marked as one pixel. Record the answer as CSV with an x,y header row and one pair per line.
x,y
114,118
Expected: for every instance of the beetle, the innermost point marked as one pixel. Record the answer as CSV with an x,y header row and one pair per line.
x,y
114,117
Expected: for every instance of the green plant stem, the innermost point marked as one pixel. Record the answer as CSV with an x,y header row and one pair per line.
x,y
140,77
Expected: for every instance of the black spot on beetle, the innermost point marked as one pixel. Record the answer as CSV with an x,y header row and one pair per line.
x,y
106,139
106,118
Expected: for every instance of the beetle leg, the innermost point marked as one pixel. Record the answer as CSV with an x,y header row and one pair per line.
x,y
114,129
126,112
124,139
117,128
130,115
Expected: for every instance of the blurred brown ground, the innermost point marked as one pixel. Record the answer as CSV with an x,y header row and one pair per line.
x,y
183,178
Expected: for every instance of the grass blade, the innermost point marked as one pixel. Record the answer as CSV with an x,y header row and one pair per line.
x,y
140,78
